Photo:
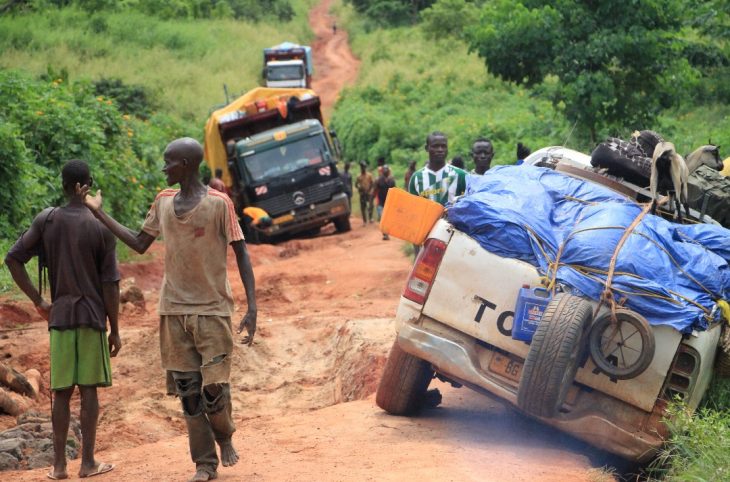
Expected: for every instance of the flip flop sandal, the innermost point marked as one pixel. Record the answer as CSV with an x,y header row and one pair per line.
x,y
53,477
102,468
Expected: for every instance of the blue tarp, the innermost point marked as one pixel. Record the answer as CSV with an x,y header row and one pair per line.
x,y
528,212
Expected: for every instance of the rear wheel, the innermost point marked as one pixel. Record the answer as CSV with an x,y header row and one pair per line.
x,y
342,223
403,386
552,361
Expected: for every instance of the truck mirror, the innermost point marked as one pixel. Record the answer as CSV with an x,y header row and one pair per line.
x,y
230,149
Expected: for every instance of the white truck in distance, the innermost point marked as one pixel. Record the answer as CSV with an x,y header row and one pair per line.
x,y
288,65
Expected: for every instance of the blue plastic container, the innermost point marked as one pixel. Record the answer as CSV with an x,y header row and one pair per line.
x,y
531,304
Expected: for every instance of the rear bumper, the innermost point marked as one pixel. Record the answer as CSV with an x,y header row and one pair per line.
x,y
591,418
311,217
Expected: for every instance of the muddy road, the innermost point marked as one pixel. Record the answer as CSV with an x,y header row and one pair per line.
x,y
303,393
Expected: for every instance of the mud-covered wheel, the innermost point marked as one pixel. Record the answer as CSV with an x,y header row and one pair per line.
x,y
622,350
342,223
554,355
403,386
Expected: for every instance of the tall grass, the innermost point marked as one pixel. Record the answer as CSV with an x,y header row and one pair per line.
x,y
184,63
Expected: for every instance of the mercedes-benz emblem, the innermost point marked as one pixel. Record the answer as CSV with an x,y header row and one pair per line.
x,y
298,198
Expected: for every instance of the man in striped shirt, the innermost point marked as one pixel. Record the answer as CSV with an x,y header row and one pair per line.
x,y
438,181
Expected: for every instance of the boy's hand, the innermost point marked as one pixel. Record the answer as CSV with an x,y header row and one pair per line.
x,y
249,323
44,309
115,344
92,202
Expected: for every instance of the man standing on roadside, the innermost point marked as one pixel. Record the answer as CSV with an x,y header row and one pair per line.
x,y
409,172
196,304
482,152
438,181
385,181
82,269
365,186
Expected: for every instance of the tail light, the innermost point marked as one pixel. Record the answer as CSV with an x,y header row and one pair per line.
x,y
424,271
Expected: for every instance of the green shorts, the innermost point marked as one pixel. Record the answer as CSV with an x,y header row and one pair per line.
x,y
80,356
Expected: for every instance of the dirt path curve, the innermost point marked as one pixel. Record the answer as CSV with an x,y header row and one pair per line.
x,y
303,394
335,66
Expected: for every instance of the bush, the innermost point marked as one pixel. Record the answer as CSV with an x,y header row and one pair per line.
x,y
43,124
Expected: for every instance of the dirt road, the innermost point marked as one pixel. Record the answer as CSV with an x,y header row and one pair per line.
x,y
303,394
335,66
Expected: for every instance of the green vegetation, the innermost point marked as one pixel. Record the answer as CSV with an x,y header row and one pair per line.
x,y
699,444
183,64
613,69
410,86
112,83
421,78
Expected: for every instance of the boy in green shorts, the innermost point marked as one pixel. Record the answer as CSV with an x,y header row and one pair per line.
x,y
82,269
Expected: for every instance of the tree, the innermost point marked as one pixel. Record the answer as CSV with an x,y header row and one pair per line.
x,y
614,66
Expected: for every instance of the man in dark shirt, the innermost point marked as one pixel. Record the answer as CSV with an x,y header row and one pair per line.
x,y
82,267
384,182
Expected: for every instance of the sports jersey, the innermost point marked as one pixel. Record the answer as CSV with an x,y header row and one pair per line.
x,y
442,186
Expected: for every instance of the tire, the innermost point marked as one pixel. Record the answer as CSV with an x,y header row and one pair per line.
x,y
554,355
404,383
619,359
342,223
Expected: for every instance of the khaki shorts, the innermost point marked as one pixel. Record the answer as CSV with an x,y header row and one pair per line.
x,y
197,343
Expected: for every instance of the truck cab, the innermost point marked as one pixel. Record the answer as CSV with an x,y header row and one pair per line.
x,y
288,65
277,155
285,73
291,174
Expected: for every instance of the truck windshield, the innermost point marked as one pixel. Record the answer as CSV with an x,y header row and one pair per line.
x,y
284,72
285,158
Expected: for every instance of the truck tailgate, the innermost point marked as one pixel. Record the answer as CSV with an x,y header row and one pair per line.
x,y
475,292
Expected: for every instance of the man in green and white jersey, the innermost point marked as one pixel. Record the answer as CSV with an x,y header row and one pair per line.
x,y
438,181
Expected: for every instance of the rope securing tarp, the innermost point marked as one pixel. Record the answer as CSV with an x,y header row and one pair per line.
x,y
569,228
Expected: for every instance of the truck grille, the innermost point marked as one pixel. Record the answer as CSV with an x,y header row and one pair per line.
x,y
312,194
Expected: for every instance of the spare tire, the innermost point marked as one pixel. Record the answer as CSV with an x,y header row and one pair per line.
x,y
554,355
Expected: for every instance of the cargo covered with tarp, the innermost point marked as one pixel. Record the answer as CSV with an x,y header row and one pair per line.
x,y
672,274
255,111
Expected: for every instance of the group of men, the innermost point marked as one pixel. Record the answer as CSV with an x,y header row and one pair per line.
x,y
437,180
77,243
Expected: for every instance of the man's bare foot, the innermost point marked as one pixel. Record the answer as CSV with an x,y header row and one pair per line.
x,y
201,475
229,456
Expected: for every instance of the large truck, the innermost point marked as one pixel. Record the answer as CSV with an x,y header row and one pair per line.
x,y
275,154
288,65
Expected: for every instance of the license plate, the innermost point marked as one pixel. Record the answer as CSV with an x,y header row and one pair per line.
x,y
505,366
283,219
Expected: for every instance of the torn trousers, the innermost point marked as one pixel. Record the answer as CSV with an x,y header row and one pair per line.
x,y
196,351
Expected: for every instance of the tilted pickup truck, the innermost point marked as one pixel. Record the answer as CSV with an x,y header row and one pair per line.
x,y
455,322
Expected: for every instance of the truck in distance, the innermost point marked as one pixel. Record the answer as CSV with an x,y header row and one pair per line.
x,y
288,65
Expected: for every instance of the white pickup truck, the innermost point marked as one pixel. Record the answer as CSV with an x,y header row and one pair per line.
x,y
454,321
